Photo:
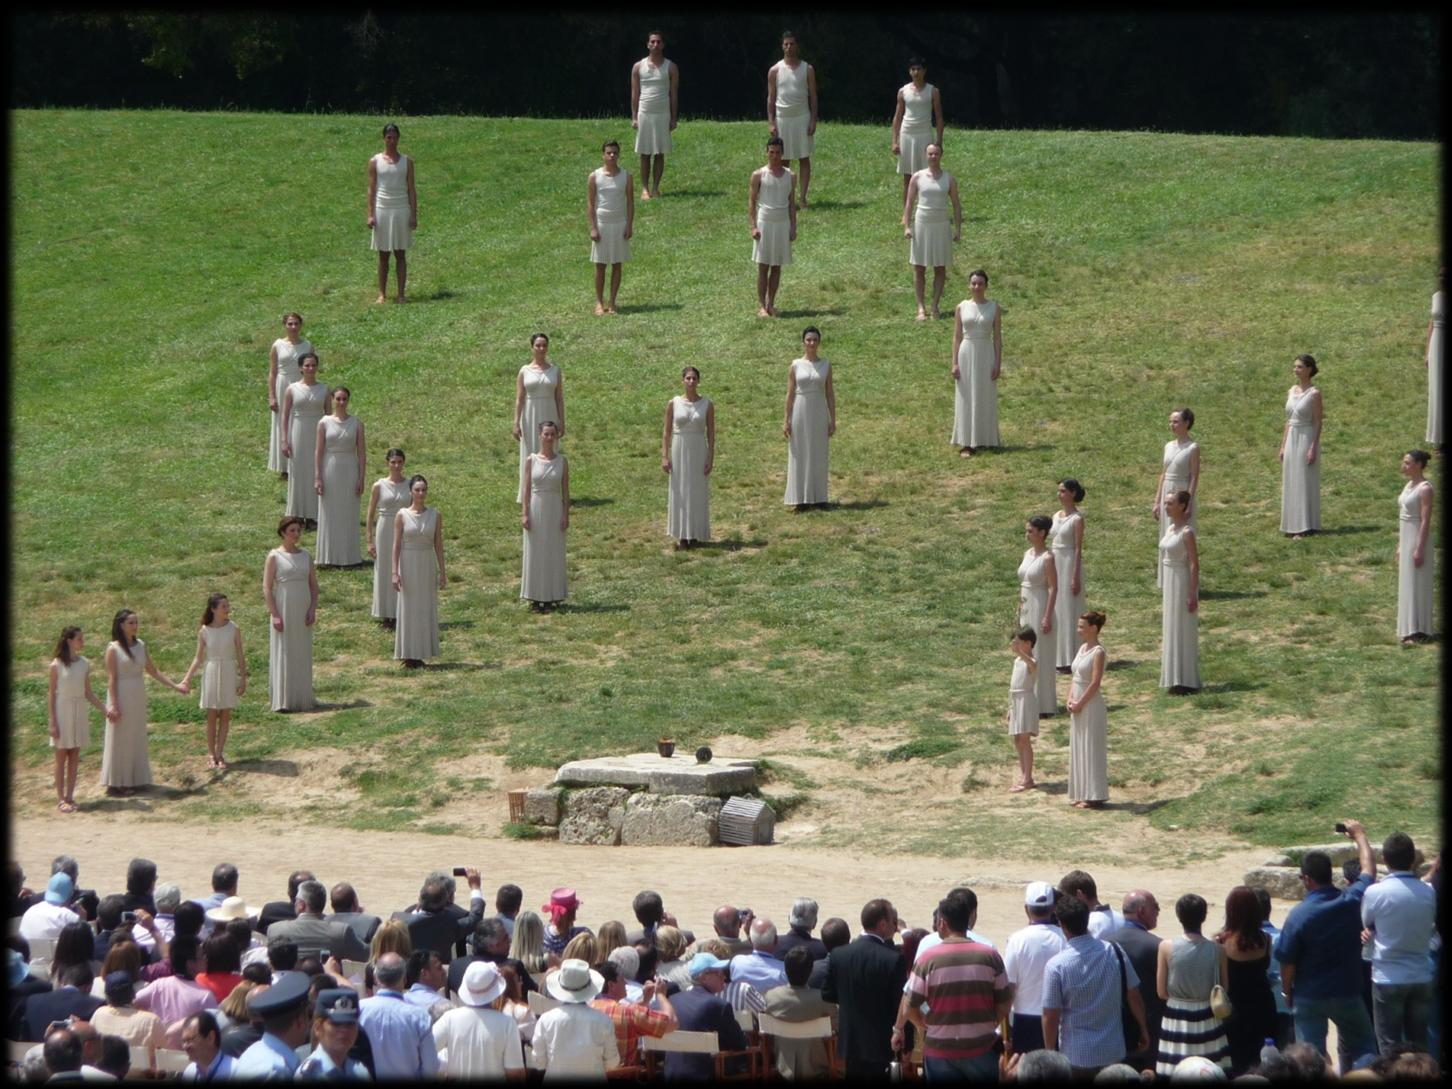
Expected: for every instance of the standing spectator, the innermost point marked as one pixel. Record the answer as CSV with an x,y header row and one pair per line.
x,y
1248,950
437,923
1186,971
572,1040
1401,913
1141,916
202,1042
632,1020
1319,951
45,920
835,934
802,921
1025,956
1102,918
1285,1023
480,1040
507,902
794,1002
967,992
1083,993
702,1009
335,1028
400,1033
762,968
865,979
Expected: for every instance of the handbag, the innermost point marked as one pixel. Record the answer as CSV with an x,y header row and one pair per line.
x,y
1220,1002
1126,1015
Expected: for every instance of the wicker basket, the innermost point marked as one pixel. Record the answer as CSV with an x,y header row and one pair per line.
x,y
516,806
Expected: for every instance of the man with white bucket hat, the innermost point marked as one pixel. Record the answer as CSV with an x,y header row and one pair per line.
x,y
572,1040
475,1040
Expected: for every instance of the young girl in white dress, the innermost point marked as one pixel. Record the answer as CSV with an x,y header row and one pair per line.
x,y
224,673
1023,709
70,691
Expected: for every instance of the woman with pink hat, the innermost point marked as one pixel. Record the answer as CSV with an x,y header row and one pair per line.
x,y
560,920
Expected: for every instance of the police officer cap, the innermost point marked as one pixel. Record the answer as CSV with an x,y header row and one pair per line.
x,y
339,1005
288,994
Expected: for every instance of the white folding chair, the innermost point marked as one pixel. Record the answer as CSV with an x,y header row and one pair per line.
x,y
355,970
697,1043
142,1059
171,1061
19,1049
540,1003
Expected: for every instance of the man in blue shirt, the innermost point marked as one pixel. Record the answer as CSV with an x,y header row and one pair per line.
x,y
401,1033
762,968
283,1009
1401,913
1319,951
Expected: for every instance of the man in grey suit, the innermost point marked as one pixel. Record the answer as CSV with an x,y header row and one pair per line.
x,y
795,1001
346,909
314,935
1141,916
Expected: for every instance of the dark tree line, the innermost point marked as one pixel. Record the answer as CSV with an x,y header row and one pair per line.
x,y
1342,75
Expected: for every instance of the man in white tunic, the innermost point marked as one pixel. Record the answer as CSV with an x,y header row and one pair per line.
x,y
791,107
654,107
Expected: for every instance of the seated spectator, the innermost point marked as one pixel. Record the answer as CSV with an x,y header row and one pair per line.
x,y
835,934
526,943
168,899
400,1033
1121,1074
478,1039
237,1039
278,910
71,997
632,1020
426,978
281,955
179,995
115,1057
63,1054
283,1008
1196,1068
670,944
572,1040
224,885
310,965
727,922
188,922
20,985
390,937
610,938
651,913
1041,1067
515,1002
703,1009
315,935
490,943
507,902
123,956
347,910
223,962
581,947
796,1002
1310,1063
44,920
140,885
560,921
243,937
627,964
22,897
202,1041
83,901
120,1017
434,926
802,921
233,1010
75,944
335,1028
762,968
108,923
230,909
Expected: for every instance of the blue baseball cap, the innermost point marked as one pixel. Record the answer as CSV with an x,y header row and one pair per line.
x,y
705,962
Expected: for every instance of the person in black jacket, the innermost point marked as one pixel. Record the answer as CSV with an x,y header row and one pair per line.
x,y
865,979
433,926
73,996
277,910
1141,916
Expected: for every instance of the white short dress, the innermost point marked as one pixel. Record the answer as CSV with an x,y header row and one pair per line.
x,y
72,713
793,110
653,116
932,241
773,219
611,196
288,372
916,131
219,668
391,210
1023,705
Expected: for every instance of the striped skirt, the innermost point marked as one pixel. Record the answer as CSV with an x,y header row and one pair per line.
x,y
1189,1028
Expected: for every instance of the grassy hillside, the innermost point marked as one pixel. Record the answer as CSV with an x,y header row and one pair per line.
x,y
153,255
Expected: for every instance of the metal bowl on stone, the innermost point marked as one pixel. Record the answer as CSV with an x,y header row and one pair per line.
x,y
703,754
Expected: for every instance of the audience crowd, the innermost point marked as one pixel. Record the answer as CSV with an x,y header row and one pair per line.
x,y
436,989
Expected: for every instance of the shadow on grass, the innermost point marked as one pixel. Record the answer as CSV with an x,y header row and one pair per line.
x,y
692,193
1230,595
459,667
345,566
1116,664
592,608
589,501
821,311
1139,809
114,805
287,769
445,625
726,546
1006,449
1346,531
858,504
1229,686
320,706
440,295
834,205
649,308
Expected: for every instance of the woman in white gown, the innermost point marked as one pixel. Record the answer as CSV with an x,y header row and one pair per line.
x,y
539,395
388,497
340,462
125,762
290,592
1179,471
392,210
1414,554
1088,719
1180,602
418,575
977,362
610,201
925,223
1066,540
1301,453
1038,587
687,455
1436,361
811,420
546,518
304,404
282,371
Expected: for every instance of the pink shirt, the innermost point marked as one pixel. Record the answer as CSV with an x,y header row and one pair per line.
x,y
174,999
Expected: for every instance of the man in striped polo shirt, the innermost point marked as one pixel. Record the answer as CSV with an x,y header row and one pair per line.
x,y
967,992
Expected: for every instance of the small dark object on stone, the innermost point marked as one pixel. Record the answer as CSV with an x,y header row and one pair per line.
x,y
703,755
665,746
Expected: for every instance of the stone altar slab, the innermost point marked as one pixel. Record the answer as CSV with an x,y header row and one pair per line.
x,y
662,774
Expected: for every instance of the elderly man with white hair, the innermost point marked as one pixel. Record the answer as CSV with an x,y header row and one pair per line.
x,y
761,968
627,962
168,898
802,921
